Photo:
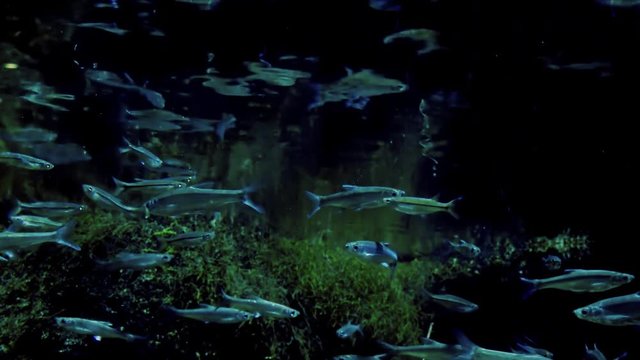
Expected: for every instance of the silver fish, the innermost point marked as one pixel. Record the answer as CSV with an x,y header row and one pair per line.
x,y
31,222
465,248
60,154
127,260
42,100
429,349
261,306
113,80
192,200
189,239
452,302
428,38
150,159
24,161
349,330
360,357
421,206
353,197
29,135
273,75
11,241
475,352
593,354
97,329
374,251
217,314
616,311
49,208
147,185
108,201
108,27
578,280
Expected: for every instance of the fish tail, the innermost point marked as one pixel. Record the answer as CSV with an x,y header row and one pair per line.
x,y
391,349
247,201
132,337
468,346
225,297
451,207
17,209
228,122
316,201
120,186
153,97
64,232
531,286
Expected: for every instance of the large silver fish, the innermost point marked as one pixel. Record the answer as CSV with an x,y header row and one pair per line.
x,y
217,314
108,201
374,251
263,307
128,260
97,329
24,161
10,241
429,349
353,197
579,280
49,208
452,302
616,311
193,200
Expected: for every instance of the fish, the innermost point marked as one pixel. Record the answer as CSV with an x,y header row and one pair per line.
x,y
108,27
105,200
361,357
616,311
149,159
257,305
49,208
374,251
31,222
349,330
156,115
128,260
97,329
216,314
43,100
527,349
429,349
428,38
193,200
465,248
11,241
619,3
151,185
202,4
421,206
452,302
475,352
274,75
353,197
24,161
113,80
356,89
385,5
224,86
579,280
60,154
29,135
189,239
552,262
593,354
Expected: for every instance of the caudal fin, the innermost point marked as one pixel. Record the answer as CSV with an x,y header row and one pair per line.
x,y
451,207
315,203
531,286
64,232
120,186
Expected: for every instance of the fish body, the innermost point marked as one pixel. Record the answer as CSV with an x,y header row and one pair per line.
x,y
97,329
150,159
579,280
10,241
108,27
112,80
616,311
452,302
353,197
147,185
428,38
108,201
361,357
24,161
349,330
49,208
192,200
261,306
31,222
429,349
60,154
127,260
421,206
29,135
374,251
189,239
216,314
465,248
475,352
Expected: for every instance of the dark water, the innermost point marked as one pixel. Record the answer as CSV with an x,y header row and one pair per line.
x,y
533,151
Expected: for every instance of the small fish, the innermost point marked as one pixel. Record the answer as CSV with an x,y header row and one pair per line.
x,y
202,4
429,349
465,248
593,354
353,197
157,115
421,206
227,122
361,357
24,161
108,27
149,159
153,125
619,3
273,75
42,100
616,311
526,349
147,185
349,330
113,80
28,135
11,241
60,154
260,306
428,38
452,302
578,280
217,314
52,209
374,251
31,222
189,239
108,201
128,260
97,329
552,262
193,200
224,86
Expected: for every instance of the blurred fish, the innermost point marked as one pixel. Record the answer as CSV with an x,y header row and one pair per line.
x,y
227,122
192,200
578,280
616,311
108,201
421,206
11,241
273,75
428,38
128,260
361,357
260,306
202,4
475,352
156,115
95,328
149,159
526,349
113,80
49,208
353,197
189,239
356,89
452,302
429,349
593,354
113,4
153,185
224,86
24,161
108,27
43,101
374,251
153,125
217,314
31,222
385,5
349,330
619,3
60,154
465,248
28,135
552,262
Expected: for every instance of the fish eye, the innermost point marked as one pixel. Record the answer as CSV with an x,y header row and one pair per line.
x,y
90,188
63,321
584,311
166,257
355,247
293,313
245,316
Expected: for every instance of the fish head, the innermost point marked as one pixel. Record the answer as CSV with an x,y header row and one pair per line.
x,y
621,279
342,334
389,200
65,322
291,313
355,247
165,258
45,165
90,191
391,193
590,313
